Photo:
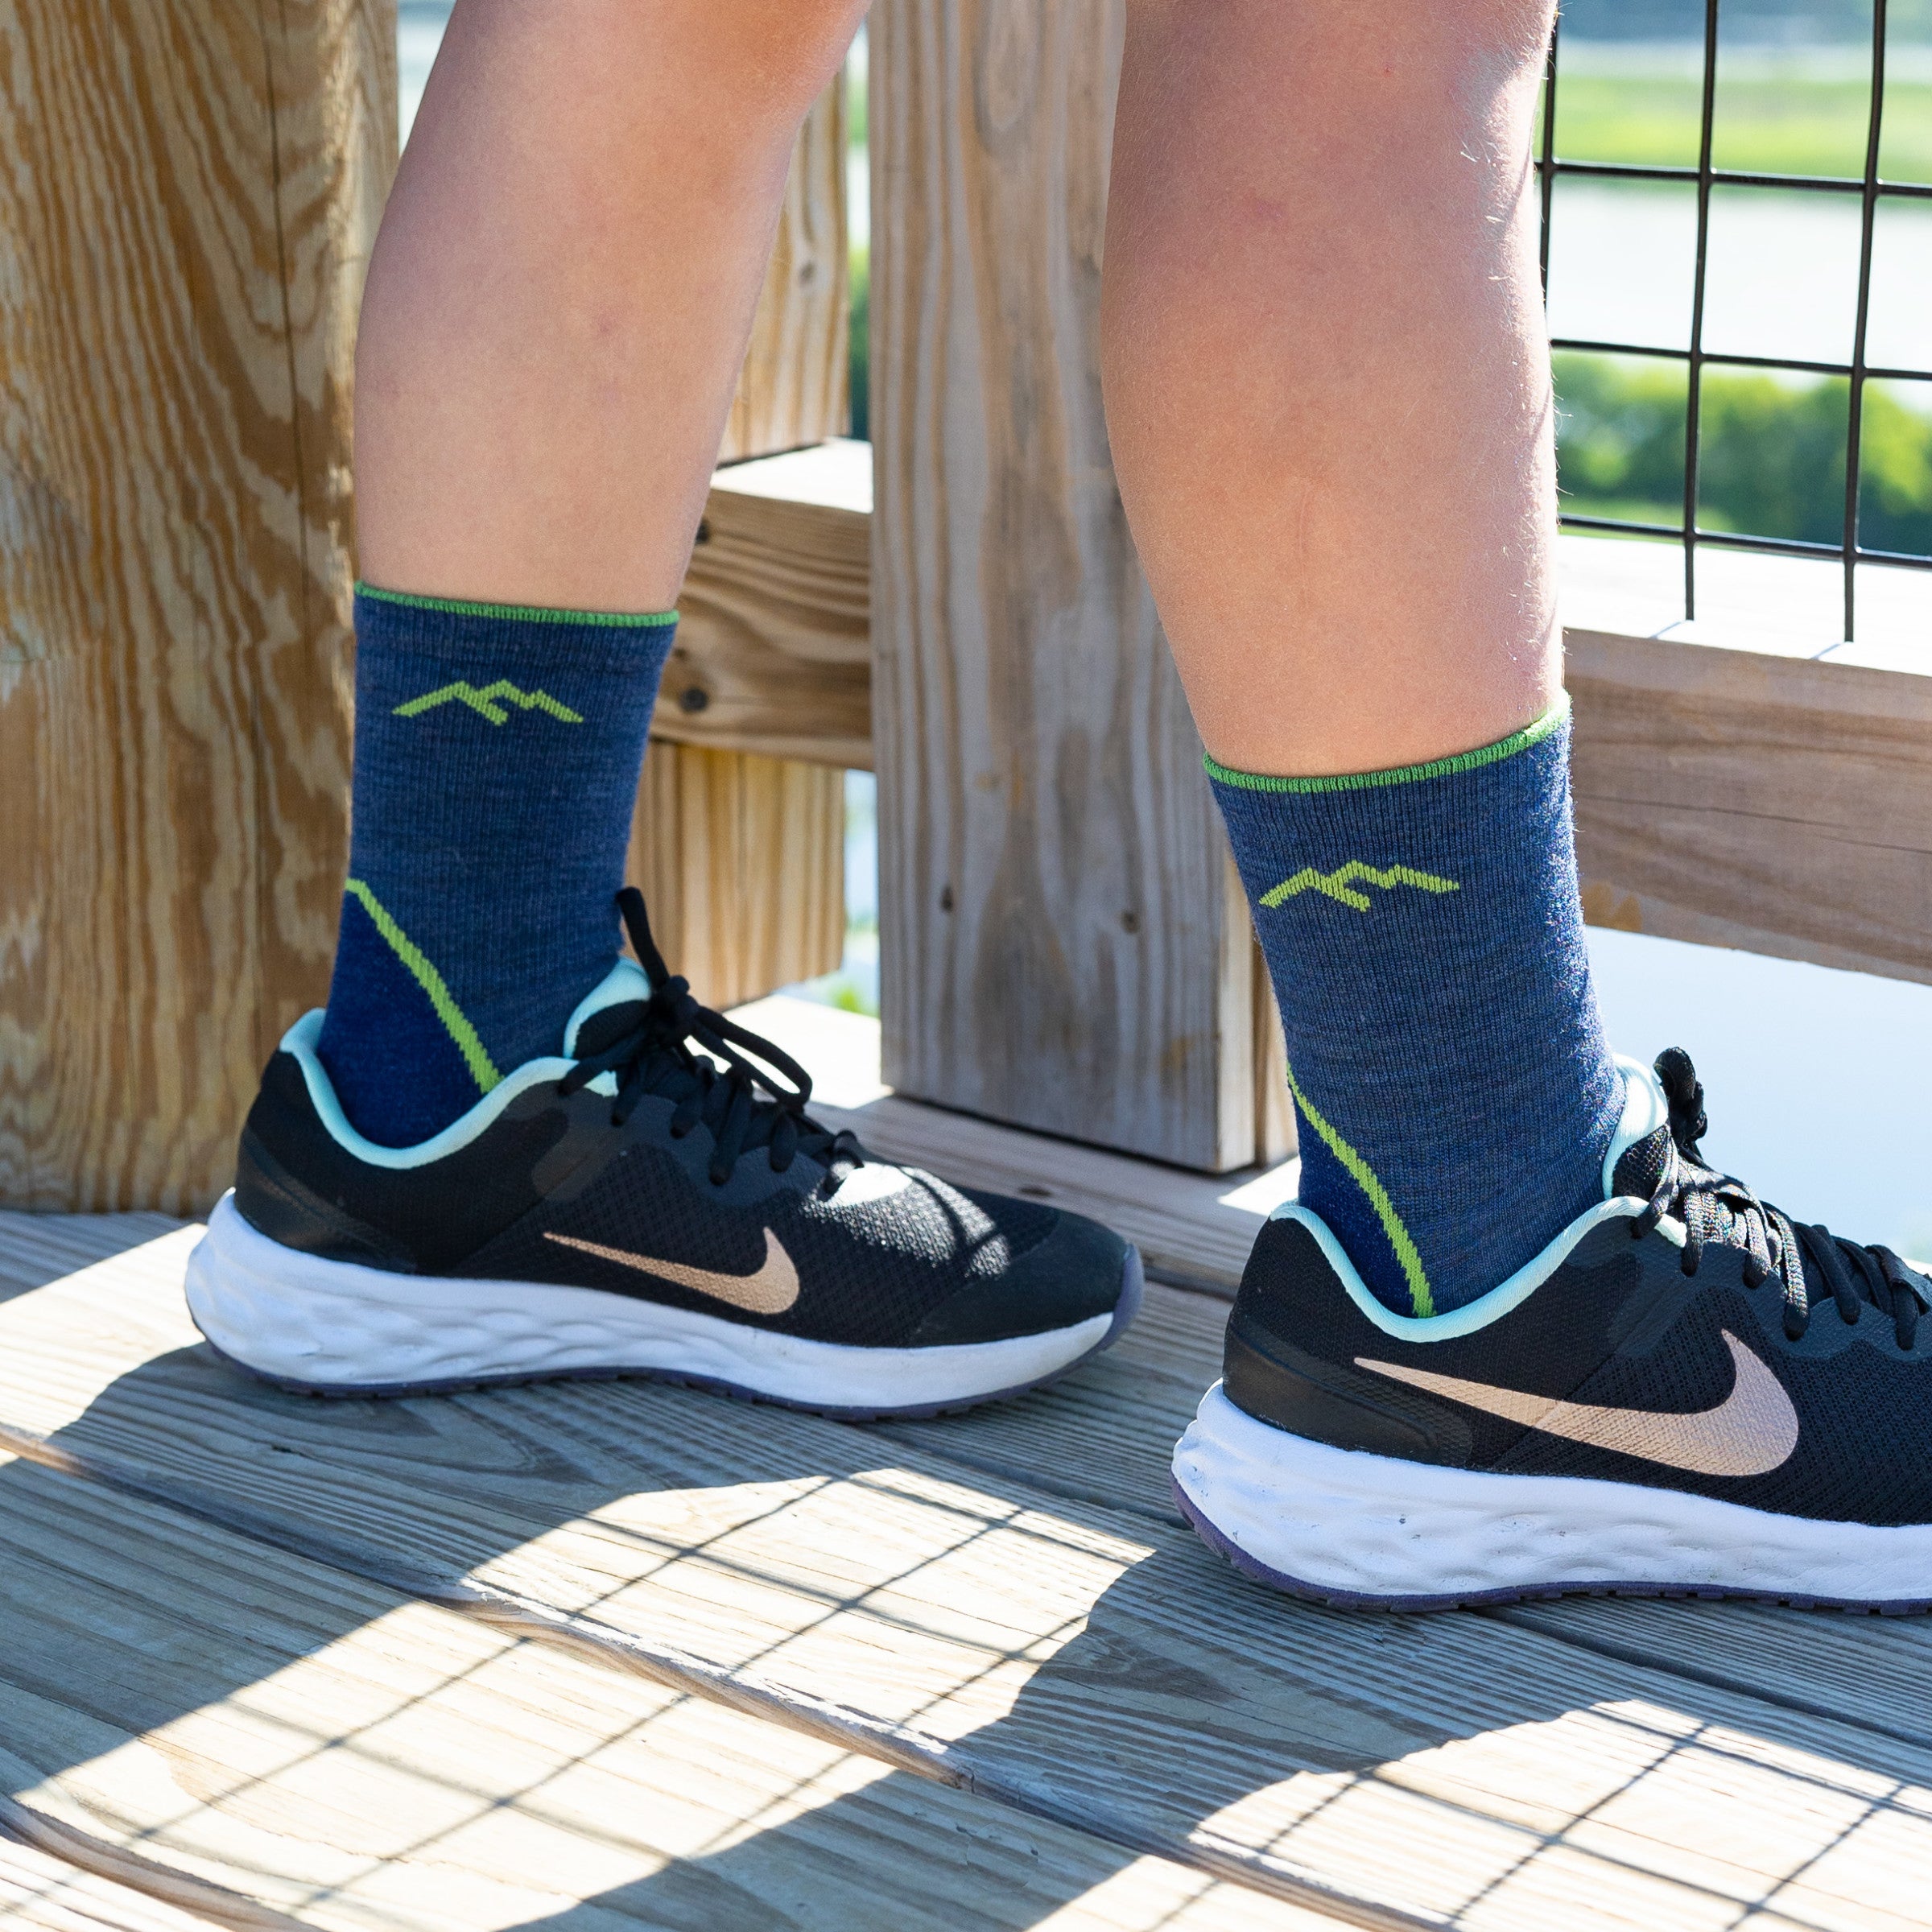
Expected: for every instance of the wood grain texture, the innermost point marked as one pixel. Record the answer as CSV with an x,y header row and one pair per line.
x,y
742,857
265,1743
187,197
1779,804
797,381
37,1248
774,650
43,1891
1085,1664
741,860
1057,949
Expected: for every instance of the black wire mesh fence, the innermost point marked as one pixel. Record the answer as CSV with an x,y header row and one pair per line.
x,y
1870,191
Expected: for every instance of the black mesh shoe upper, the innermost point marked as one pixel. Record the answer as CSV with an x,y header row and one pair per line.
x,y
716,1174
1798,1357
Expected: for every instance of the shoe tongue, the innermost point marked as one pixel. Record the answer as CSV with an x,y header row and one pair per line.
x,y
609,1012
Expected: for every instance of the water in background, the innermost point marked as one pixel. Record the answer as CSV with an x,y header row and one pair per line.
x,y
419,25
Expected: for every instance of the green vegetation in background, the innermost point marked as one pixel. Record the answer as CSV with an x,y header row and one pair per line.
x,y
856,93
1773,459
1787,125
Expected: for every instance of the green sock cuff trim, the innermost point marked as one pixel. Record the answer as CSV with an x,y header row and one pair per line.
x,y
1422,1298
523,613
1403,774
481,1067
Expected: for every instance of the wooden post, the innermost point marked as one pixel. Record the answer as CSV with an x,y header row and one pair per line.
x,y
1060,945
188,196
742,856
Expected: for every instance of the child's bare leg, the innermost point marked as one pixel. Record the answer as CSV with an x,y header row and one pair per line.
x,y
1327,380
561,297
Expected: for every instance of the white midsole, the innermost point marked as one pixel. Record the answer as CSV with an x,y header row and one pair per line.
x,y
1379,1526
339,1325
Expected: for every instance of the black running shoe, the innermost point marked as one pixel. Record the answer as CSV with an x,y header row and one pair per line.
x,y
635,1208
1686,1393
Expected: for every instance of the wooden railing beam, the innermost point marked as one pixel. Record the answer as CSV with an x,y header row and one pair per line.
x,y
1730,794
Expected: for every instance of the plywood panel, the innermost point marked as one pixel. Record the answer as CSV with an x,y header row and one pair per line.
x,y
1087,1665
187,197
1057,948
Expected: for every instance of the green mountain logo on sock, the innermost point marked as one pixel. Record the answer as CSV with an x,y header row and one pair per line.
x,y
1337,885
485,702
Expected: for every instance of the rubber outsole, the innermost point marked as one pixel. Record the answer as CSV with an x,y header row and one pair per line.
x,y
1132,1289
1544,1593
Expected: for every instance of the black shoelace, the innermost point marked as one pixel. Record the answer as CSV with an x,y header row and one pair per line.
x,y
652,1056
1718,1209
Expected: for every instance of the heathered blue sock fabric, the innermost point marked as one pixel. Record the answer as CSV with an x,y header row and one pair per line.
x,y
1425,934
497,752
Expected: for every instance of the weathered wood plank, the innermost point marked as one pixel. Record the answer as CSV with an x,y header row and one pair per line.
x,y
270,1743
742,859
41,1891
36,1249
1087,1665
187,197
773,652
1058,947
1779,804
742,856
1104,1435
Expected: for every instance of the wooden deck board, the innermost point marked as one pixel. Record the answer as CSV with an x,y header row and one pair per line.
x,y
1105,1438
181,1707
1086,1664
47,1894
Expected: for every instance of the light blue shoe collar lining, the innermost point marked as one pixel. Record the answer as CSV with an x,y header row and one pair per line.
x,y
1644,1111
626,981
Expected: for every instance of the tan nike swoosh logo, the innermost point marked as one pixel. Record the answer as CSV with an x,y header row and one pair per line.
x,y
770,1290
1750,1433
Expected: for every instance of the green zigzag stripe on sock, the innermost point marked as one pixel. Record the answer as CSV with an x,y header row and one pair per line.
x,y
1422,1298
481,1067
1336,884
484,701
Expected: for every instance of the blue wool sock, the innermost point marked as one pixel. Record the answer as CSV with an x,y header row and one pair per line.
x,y
498,751
1425,934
